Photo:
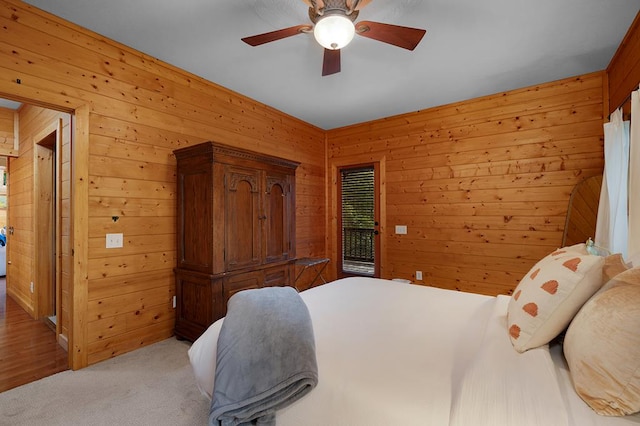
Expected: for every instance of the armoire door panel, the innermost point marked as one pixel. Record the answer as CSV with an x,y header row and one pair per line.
x,y
277,212
242,217
275,223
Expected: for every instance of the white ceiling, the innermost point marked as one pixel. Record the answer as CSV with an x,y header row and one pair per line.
x,y
472,48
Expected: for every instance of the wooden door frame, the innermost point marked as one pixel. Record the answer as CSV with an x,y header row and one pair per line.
x,y
332,236
79,210
79,235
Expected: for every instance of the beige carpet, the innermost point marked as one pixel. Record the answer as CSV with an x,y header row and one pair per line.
x,y
150,386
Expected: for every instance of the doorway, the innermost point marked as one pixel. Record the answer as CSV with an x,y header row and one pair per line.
x,y
38,187
359,220
41,171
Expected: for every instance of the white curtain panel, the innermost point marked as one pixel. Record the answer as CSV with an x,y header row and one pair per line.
x,y
612,224
634,177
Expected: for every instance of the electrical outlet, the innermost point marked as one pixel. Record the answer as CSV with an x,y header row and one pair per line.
x,y
418,275
114,241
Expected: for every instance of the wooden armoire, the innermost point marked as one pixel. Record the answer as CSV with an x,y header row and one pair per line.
x,y
235,229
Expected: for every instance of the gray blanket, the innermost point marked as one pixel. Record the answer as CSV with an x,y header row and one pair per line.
x,y
265,358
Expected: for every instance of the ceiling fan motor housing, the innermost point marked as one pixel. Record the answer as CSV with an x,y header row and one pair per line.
x,y
332,7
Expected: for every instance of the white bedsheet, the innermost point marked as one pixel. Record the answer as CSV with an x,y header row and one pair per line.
x,y
382,358
504,387
397,354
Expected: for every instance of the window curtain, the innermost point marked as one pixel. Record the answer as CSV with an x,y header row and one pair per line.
x,y
634,178
612,223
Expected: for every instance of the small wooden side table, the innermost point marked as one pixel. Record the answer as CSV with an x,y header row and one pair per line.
x,y
316,265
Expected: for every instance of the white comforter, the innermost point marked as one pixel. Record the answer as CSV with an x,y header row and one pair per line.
x,y
398,354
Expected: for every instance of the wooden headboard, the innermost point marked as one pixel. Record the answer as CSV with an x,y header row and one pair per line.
x,y
582,212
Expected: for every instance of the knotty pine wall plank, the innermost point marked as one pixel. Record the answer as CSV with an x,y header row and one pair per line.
x,y
109,287
7,131
20,247
143,335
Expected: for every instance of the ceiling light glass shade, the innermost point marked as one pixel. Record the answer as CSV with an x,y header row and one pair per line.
x,y
334,31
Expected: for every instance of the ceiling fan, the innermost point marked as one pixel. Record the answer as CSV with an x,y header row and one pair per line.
x,y
334,27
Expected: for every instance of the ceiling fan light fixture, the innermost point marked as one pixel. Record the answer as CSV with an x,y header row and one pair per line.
x,y
334,31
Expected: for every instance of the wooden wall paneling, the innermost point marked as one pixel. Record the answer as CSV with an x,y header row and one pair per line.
x,y
100,350
120,69
127,303
138,84
227,100
138,111
482,185
110,287
509,105
623,72
20,244
7,132
121,92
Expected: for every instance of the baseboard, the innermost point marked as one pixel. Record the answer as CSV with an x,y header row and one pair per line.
x,y
63,342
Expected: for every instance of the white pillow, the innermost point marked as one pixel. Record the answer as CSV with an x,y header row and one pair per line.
x,y
550,294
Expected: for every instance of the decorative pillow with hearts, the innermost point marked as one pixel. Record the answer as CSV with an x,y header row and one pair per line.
x,y
550,294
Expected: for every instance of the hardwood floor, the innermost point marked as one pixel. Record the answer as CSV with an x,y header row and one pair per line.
x,y
28,347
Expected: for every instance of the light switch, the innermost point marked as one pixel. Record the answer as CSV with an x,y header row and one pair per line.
x,y
114,241
401,229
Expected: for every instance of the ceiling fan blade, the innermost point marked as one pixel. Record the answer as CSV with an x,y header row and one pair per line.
x,y
331,62
405,37
259,39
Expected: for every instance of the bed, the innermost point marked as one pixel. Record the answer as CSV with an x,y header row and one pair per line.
x,y
399,354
